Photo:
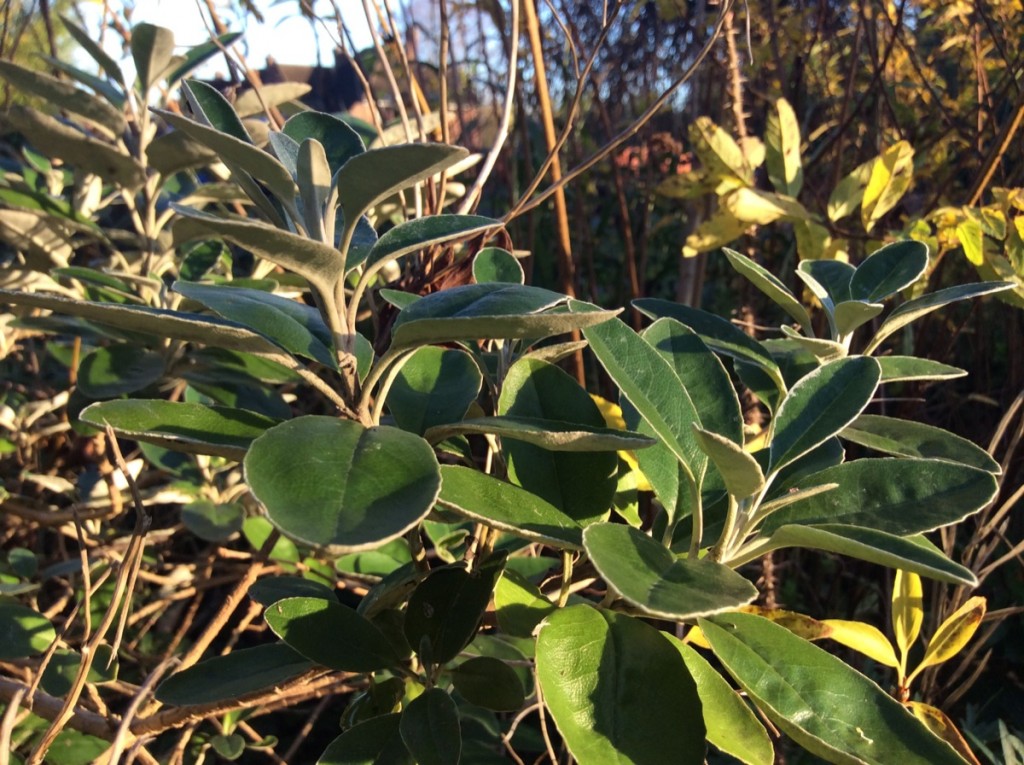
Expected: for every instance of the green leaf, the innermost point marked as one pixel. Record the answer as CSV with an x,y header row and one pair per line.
x,y
906,438
196,55
212,522
580,484
117,369
100,56
446,608
720,335
318,263
732,726
554,435
918,307
652,386
60,673
340,142
487,311
739,470
240,673
165,324
889,270
905,368
653,578
907,553
489,683
851,314
430,729
312,627
335,483
152,50
212,109
782,149
765,281
374,742
229,747
520,606
271,589
820,405
503,506
619,692
295,327
825,706
433,388
495,264
414,235
313,177
23,632
91,81
833,276
58,140
182,426
898,496
64,95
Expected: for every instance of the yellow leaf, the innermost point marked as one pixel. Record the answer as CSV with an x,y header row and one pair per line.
x,y
763,207
722,228
782,139
718,152
847,195
907,610
938,723
891,174
612,414
863,638
972,240
952,635
696,637
799,624
753,150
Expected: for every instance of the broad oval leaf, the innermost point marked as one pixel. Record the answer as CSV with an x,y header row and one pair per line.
x,y
906,438
271,589
580,484
495,264
851,314
554,435
335,483
863,638
485,499
340,141
376,741
897,496
889,270
519,604
765,281
240,673
489,683
732,726
445,609
313,626
434,387
952,635
295,327
212,522
825,706
182,426
117,369
619,692
430,729
907,609
821,405
152,50
908,553
23,632
834,276
653,578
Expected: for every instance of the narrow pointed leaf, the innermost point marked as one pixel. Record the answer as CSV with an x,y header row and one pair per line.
x,y
198,54
939,723
240,673
720,335
906,368
740,471
64,95
304,623
889,270
618,691
816,699
898,496
821,405
100,56
152,49
732,726
765,281
654,579
340,142
907,609
417,234
313,176
909,553
292,326
953,634
154,321
335,483
906,438
863,638
554,435
503,506
430,729
891,174
782,149
918,307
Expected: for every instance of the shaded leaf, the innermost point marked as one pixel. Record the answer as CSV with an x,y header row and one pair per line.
x,y
494,264
374,742
765,281
889,270
489,683
430,729
152,49
340,141
906,438
554,435
64,95
118,369
433,388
